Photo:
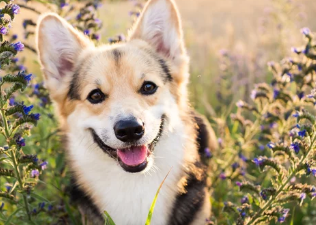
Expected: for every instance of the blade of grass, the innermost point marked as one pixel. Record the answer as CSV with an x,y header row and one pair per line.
x,y
108,219
152,207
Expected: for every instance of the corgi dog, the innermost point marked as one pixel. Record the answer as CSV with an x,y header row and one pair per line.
x,y
123,110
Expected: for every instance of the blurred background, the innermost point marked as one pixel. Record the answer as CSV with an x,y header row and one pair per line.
x,y
230,42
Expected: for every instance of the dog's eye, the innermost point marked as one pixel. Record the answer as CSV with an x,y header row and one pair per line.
x,y
148,88
96,96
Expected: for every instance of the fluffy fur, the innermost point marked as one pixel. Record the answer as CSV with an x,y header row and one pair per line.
x,y
155,52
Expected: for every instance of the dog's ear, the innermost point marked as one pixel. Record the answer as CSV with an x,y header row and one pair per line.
x,y
59,46
160,26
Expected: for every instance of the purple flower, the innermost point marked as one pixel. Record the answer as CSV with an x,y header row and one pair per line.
x,y
27,77
86,32
258,161
290,76
35,116
261,147
242,157
7,187
313,172
314,194
18,46
14,36
235,166
238,184
296,114
27,109
302,133
20,141
15,9
2,204
271,145
294,50
207,153
50,208
43,165
15,60
281,219
243,214
244,200
34,173
3,30
296,147
63,4
41,205
240,104
306,31
276,93
253,94
263,195
12,101
303,196
300,95
222,176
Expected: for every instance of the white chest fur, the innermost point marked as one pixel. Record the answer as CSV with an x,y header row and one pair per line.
x,y
127,197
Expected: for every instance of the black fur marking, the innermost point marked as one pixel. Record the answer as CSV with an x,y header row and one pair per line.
x,y
202,135
79,197
166,70
117,56
73,92
189,203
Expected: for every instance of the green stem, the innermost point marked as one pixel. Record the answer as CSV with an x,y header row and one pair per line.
x,y
268,204
13,156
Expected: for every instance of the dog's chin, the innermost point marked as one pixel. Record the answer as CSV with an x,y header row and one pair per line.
x,y
134,158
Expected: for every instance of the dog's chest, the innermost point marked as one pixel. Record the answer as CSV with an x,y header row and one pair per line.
x,y
128,201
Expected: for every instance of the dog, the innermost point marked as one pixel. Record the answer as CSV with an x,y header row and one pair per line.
x,y
124,112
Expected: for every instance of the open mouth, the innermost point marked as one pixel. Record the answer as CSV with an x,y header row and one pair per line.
x,y
134,158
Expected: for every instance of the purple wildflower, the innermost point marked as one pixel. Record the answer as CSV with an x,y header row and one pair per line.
x,y
271,145
294,50
15,60
296,114
261,147
303,196
7,187
300,95
50,208
306,31
35,116
79,16
12,101
253,94
281,219
43,165
244,200
238,184
235,166
263,195
1,206
276,93
240,104
27,109
41,205
34,173
3,30
14,36
313,172
97,36
242,157
296,147
302,133
207,153
258,161
86,32
15,9
18,46
20,141
27,77
63,4
222,176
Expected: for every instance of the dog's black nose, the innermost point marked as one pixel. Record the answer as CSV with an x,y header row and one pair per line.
x,y
129,130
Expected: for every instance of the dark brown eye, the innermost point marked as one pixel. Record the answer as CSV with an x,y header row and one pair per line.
x,y
96,96
148,88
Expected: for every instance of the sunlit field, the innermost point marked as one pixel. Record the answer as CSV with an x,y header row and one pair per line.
x,y
252,75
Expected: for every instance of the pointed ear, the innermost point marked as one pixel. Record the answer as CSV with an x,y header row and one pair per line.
x,y
160,26
59,46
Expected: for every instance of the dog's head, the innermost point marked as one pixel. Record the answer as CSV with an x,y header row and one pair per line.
x,y
120,96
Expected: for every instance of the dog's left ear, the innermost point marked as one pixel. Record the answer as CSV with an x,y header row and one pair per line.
x,y
160,26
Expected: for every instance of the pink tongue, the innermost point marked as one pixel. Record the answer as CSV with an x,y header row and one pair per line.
x,y
133,156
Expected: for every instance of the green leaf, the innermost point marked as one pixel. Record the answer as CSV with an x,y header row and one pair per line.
x,y
12,215
108,219
152,207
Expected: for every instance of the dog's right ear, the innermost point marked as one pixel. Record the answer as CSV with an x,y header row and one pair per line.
x,y
59,46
